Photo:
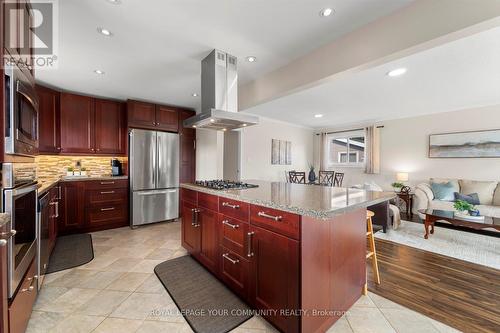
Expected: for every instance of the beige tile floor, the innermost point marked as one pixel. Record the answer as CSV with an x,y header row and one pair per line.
x,y
118,292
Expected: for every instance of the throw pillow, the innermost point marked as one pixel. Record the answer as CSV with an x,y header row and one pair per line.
x,y
484,189
443,192
472,198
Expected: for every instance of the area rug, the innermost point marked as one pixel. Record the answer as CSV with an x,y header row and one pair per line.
x,y
207,305
71,251
467,246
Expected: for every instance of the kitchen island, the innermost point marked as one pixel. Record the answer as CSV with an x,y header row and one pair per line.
x,y
295,252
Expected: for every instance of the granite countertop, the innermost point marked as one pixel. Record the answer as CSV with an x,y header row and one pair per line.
x,y
47,184
321,202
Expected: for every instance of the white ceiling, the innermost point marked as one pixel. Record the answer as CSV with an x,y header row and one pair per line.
x,y
157,46
458,75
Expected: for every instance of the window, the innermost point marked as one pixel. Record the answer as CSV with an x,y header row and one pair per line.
x,y
346,149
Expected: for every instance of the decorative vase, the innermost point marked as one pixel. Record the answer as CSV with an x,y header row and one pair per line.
x,y
69,173
474,212
83,173
312,176
76,173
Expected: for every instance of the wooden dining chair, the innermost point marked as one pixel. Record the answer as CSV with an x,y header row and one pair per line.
x,y
326,178
297,177
339,177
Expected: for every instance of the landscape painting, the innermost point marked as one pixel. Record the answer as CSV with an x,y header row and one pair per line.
x,y
465,144
281,152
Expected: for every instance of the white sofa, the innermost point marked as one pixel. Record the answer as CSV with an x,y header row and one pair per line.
x,y
488,192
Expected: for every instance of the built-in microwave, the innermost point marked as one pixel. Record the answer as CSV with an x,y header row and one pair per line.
x,y
21,113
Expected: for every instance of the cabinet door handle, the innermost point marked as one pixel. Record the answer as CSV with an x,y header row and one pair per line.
x,y
227,204
194,221
249,244
7,235
107,183
154,122
59,192
231,260
57,209
234,226
106,209
107,192
276,218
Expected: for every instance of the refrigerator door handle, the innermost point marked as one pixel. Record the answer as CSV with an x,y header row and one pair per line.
x,y
155,192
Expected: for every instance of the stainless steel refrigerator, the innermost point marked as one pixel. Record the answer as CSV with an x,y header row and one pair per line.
x,y
154,176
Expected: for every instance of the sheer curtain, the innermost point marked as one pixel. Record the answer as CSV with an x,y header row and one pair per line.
x,y
372,150
323,156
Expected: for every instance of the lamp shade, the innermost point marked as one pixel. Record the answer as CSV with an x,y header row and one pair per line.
x,y
402,176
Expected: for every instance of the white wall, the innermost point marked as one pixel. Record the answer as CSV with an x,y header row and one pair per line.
x,y
209,153
404,148
255,151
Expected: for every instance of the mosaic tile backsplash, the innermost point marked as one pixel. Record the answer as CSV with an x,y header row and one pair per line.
x,y
52,167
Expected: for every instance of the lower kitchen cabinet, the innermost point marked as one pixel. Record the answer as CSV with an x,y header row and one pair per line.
x,y
209,247
72,207
190,230
93,205
274,282
22,304
234,271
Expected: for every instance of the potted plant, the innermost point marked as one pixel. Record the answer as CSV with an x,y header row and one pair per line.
x,y
70,171
312,174
83,171
397,186
466,208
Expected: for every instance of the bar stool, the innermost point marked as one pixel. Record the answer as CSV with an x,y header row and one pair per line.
x,y
372,253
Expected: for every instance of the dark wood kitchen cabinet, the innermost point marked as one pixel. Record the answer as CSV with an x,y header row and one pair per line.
x,y
93,205
209,247
167,118
274,277
152,116
48,118
4,307
72,207
110,127
187,138
190,231
92,125
141,114
21,306
77,124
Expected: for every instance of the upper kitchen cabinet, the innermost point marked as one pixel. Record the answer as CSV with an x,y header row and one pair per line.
x,y
152,116
110,127
48,117
77,124
141,114
167,118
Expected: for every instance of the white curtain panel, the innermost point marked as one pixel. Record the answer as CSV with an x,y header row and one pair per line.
x,y
372,150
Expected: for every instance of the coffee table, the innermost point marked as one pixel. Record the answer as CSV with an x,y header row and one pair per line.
x,y
433,215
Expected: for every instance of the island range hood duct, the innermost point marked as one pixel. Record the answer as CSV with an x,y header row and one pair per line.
x,y
219,95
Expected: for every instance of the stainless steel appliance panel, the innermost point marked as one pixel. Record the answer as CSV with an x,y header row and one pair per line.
x,y
167,172
155,206
21,204
43,253
142,160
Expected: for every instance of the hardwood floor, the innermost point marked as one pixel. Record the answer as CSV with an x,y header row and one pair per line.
x,y
460,294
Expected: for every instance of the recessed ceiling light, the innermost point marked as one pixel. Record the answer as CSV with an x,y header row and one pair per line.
x,y
194,95
318,115
326,12
194,126
104,32
115,2
224,129
397,72
251,59
98,71
212,120
244,125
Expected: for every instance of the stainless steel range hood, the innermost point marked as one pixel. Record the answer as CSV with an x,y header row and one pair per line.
x,y
219,95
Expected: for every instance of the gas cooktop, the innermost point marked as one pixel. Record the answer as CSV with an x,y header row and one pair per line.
x,y
224,184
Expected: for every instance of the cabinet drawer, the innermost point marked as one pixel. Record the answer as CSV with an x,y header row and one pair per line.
x,y
281,222
233,234
208,201
20,309
189,195
106,184
107,214
107,196
233,208
235,272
